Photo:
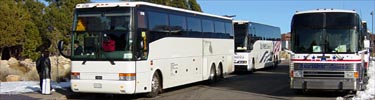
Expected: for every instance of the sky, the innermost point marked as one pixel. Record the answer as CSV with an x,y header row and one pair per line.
x,y
279,12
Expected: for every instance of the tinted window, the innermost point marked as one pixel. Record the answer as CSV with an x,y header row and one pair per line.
x,y
229,29
208,28
314,20
194,27
219,30
177,25
340,20
158,25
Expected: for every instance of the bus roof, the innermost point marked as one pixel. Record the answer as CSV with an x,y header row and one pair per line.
x,y
244,21
240,21
325,10
135,4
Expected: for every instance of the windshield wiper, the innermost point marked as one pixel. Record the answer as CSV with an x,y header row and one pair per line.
x,y
337,55
84,60
109,59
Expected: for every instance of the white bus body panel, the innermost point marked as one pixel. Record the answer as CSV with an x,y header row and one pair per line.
x,y
243,61
109,74
262,53
187,60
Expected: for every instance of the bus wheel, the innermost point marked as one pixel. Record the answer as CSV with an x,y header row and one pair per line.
x,y
299,91
252,70
275,62
221,74
155,86
212,77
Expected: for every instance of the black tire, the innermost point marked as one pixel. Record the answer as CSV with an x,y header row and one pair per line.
x,y
299,91
213,77
253,68
221,73
155,86
275,62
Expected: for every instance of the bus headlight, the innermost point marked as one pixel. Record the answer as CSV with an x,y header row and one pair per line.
x,y
297,73
351,74
126,76
75,75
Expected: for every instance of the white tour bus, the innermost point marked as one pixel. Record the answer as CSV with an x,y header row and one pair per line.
x,y
140,47
257,45
329,50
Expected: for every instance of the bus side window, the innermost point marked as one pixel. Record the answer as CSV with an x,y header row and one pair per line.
x,y
142,35
158,25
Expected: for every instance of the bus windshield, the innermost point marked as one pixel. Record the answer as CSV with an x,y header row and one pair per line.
x,y
102,34
325,33
241,39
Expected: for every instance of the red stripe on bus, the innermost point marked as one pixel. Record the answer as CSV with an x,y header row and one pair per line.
x,y
355,60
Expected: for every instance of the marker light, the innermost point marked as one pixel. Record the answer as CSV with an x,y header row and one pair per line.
x,y
127,76
75,75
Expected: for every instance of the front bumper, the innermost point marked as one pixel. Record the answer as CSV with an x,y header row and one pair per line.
x,y
103,86
328,84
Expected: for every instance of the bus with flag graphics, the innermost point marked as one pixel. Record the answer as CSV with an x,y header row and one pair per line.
x,y
329,50
256,45
140,47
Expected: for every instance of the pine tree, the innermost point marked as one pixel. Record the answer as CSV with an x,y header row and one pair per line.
x,y
194,5
11,23
59,18
33,28
179,4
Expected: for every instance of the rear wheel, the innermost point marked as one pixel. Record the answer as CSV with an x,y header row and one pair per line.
x,y
275,62
253,66
221,73
212,77
299,91
155,86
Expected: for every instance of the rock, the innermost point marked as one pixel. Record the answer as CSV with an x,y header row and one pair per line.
x,y
4,64
66,66
12,60
27,63
13,78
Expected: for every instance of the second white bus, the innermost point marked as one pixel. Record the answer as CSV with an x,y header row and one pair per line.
x,y
257,46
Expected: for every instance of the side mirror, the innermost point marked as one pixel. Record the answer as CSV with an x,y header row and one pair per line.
x,y
60,47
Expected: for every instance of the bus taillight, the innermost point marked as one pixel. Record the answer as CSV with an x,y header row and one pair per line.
x,y
75,75
127,76
291,74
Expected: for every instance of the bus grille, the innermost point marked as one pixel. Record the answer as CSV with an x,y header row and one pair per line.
x,y
324,74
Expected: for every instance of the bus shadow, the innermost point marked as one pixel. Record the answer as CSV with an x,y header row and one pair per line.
x,y
270,81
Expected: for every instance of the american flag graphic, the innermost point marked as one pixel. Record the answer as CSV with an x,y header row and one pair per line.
x,y
276,47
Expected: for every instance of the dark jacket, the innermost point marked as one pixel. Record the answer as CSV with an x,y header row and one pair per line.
x,y
43,65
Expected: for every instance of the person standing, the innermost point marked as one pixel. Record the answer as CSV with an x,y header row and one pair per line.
x,y
43,65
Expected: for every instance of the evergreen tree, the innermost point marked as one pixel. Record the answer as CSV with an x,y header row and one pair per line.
x,y
194,5
179,4
33,28
12,23
59,18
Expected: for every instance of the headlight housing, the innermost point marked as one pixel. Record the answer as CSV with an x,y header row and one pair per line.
x,y
351,74
297,73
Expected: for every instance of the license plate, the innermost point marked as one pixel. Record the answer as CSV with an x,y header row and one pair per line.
x,y
97,85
